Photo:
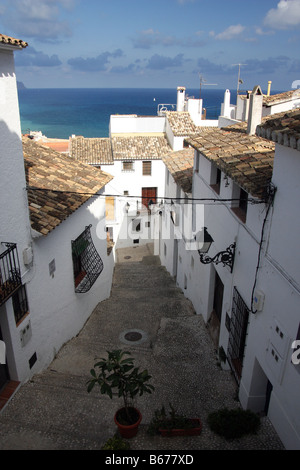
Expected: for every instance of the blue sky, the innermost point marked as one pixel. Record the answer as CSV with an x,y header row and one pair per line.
x,y
155,43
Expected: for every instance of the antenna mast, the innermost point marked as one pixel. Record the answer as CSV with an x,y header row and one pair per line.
x,y
239,78
202,80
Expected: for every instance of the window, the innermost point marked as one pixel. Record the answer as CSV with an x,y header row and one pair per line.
x,y
126,193
87,263
20,304
127,166
136,225
147,168
241,203
215,179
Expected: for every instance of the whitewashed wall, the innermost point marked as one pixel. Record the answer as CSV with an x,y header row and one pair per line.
x,y
133,182
275,327
57,313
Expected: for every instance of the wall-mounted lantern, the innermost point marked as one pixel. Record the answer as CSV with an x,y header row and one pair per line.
x,y
226,257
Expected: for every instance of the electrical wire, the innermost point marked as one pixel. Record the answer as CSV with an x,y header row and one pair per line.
x,y
164,198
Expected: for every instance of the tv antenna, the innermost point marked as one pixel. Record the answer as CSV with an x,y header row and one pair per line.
x,y
240,81
202,82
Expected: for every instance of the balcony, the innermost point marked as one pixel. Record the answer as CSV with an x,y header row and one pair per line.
x,y
10,276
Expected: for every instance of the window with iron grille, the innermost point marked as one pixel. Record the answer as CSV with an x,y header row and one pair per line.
x,y
127,166
87,263
237,334
20,304
147,167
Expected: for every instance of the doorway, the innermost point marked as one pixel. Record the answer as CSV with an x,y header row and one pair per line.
x,y
214,322
4,374
148,194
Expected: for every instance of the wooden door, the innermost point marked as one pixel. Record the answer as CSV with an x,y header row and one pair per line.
x,y
149,194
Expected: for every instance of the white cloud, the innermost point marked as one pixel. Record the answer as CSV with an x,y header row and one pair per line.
x,y
231,32
286,15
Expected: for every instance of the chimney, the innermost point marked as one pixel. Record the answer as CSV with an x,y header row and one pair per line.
x,y
255,110
269,88
180,98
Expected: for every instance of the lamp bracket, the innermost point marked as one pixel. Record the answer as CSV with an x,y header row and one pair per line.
x,y
226,257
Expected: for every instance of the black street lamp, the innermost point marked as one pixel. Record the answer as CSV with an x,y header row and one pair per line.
x,y
226,257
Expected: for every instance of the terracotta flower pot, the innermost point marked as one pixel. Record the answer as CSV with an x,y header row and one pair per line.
x,y
193,431
128,431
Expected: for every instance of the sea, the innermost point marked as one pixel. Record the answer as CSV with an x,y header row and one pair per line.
x,y
60,112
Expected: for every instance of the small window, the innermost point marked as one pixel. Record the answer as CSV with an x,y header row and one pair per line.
x,y
126,193
241,204
127,166
215,179
147,168
20,304
136,225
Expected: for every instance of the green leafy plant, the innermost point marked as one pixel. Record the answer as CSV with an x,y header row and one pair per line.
x,y
234,423
116,443
168,421
117,372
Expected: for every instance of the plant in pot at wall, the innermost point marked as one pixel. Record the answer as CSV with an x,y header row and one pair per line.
x,y
172,424
117,372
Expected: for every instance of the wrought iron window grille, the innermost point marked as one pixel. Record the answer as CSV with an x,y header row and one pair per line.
x,y
10,274
87,263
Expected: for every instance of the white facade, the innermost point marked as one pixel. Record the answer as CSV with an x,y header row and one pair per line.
x,y
268,297
268,358
131,183
55,313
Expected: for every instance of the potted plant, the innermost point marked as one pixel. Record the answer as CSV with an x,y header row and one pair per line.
x,y
173,424
117,372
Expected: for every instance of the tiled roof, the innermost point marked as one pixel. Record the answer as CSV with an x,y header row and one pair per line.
x,y
283,128
138,147
278,98
247,159
51,171
12,41
181,123
94,151
180,164
281,97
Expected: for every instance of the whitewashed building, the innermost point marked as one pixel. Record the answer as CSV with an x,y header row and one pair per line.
x,y
54,262
247,285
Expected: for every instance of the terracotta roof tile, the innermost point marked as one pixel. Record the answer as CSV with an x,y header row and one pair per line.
x,y
94,151
12,41
283,128
140,147
247,159
181,123
180,164
48,171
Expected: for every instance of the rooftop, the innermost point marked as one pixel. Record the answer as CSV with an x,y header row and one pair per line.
x,y
57,186
277,98
93,151
283,128
181,123
10,41
140,147
247,159
180,164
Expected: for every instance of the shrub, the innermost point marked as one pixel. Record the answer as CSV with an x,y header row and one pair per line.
x,y
116,443
233,424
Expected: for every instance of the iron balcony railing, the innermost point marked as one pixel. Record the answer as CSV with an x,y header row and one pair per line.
x,y
10,275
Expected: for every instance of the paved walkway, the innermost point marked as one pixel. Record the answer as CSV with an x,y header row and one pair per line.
x,y
54,410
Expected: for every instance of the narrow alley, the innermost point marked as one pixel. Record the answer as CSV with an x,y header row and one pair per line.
x,y
149,316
